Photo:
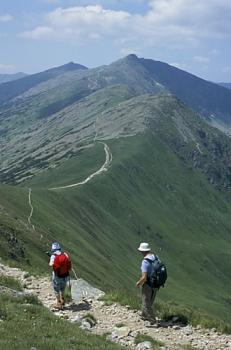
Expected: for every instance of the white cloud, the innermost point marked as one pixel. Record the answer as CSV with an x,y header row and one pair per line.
x,y
90,17
207,17
90,22
201,59
169,23
38,33
6,18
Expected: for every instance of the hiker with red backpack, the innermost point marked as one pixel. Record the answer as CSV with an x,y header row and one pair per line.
x,y
153,276
61,263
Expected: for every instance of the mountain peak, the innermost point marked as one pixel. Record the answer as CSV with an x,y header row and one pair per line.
x,y
132,56
68,67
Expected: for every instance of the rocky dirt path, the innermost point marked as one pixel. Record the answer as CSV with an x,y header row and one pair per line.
x,y
120,323
31,209
102,169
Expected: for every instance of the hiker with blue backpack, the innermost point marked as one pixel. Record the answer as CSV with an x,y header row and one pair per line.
x,y
153,276
61,264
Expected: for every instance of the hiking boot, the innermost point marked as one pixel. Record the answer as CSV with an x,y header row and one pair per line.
x,y
152,321
149,319
57,306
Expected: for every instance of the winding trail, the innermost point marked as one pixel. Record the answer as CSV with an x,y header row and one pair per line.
x,y
31,207
198,147
103,168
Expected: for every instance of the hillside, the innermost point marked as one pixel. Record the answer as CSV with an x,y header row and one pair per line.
x,y
208,99
168,183
37,102
168,180
12,89
30,145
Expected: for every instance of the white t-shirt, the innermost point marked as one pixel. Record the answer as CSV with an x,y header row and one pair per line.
x,y
52,258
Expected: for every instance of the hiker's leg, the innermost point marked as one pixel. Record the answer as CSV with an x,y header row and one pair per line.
x,y
56,287
58,300
62,299
153,296
63,283
147,300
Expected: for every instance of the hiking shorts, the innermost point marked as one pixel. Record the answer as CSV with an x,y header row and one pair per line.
x,y
59,284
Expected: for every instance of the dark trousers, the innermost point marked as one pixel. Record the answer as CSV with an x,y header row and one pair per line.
x,y
148,295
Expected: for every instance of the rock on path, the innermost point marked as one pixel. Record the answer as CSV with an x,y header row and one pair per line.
x,y
121,323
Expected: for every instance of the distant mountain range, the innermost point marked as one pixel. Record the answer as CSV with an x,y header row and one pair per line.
x,y
210,100
15,88
168,183
4,78
30,104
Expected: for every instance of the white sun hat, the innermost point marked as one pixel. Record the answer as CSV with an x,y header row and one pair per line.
x,y
144,247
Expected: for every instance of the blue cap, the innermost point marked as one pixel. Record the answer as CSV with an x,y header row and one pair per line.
x,y
55,246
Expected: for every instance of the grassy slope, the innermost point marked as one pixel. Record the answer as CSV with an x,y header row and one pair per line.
x,y
72,170
147,195
26,324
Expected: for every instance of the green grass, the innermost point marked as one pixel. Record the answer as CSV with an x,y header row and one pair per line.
x,y
140,338
193,316
149,194
123,297
78,167
26,324
10,282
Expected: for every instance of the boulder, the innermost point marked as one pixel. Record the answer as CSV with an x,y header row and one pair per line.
x,y
144,345
76,319
81,289
121,332
85,325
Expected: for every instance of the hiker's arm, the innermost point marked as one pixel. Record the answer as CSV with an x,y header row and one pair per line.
x,y
52,259
142,279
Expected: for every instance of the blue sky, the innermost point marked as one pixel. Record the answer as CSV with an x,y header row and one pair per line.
x,y
190,34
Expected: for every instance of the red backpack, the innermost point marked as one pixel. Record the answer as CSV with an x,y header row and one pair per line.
x,y
62,265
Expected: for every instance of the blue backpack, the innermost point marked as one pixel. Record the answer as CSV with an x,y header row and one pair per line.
x,y
158,275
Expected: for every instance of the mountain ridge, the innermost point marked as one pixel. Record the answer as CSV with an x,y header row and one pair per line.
x,y
114,121
210,100
10,90
168,183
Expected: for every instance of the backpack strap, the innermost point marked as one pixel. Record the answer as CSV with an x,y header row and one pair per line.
x,y
152,261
